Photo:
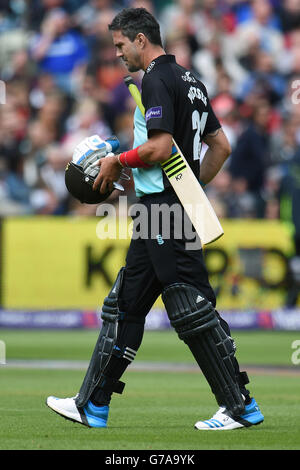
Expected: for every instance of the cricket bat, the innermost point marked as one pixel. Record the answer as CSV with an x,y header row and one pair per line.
x,y
186,185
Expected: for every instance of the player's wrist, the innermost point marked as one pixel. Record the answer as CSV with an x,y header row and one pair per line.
x,y
131,159
118,160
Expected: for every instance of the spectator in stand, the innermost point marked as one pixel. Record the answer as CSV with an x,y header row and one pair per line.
x,y
264,79
289,14
44,166
231,197
51,114
226,110
104,66
260,29
52,181
283,150
63,82
85,120
42,86
13,44
251,156
208,62
14,193
37,10
216,58
284,144
59,50
289,64
84,16
178,45
34,150
182,17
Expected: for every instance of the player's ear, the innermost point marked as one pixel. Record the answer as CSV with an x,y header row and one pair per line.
x,y
141,40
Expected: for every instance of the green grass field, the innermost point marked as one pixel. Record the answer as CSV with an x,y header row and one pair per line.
x,y
158,409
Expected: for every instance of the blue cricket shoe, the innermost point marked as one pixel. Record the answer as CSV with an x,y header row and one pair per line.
x,y
222,420
90,415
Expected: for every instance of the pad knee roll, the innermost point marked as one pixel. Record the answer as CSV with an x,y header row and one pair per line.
x,y
189,312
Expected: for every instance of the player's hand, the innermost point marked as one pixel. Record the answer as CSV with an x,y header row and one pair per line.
x,y
89,150
110,171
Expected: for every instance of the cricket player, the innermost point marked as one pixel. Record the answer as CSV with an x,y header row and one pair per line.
x,y
176,106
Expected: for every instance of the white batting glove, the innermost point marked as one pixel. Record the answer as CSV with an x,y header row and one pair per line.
x,y
90,150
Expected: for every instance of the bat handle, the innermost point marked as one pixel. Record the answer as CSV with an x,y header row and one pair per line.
x,y
135,93
129,80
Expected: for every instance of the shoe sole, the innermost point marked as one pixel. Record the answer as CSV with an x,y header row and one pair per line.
x,y
229,428
68,418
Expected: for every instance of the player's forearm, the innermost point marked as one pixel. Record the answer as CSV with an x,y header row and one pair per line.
x,y
157,149
138,157
218,151
212,163
153,152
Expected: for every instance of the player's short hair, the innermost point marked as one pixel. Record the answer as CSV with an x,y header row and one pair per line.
x,y
131,21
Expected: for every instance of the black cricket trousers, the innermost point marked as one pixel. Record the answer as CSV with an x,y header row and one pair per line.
x,y
155,260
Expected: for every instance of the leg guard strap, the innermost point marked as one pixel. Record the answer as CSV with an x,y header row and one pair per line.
x,y
108,384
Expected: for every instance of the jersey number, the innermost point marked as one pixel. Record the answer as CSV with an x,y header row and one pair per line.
x,y
198,126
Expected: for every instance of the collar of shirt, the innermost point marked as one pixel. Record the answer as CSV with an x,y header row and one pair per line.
x,y
162,59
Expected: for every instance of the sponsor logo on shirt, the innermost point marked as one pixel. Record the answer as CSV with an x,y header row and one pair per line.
x,y
150,67
155,112
187,77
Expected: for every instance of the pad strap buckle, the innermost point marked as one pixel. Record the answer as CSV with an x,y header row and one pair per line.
x,y
109,384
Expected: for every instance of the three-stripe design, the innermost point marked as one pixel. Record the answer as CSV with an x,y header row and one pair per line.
x,y
126,353
214,423
174,165
129,354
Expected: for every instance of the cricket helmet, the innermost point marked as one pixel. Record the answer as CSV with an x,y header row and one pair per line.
x,y
80,185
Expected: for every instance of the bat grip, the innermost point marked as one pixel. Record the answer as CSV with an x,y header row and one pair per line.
x,y
135,93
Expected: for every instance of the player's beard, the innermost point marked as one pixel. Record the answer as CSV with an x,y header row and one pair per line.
x,y
132,65
132,68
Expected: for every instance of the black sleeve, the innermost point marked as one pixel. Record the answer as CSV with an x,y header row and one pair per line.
x,y
212,123
158,100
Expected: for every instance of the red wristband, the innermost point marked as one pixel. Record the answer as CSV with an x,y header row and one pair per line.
x,y
131,159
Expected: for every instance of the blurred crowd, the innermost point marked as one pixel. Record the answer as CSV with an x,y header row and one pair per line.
x,y
61,81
